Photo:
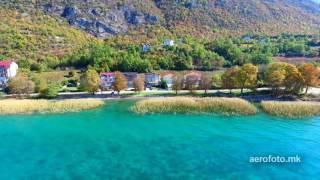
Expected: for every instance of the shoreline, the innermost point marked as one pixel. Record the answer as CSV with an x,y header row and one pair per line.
x,y
258,99
106,95
147,105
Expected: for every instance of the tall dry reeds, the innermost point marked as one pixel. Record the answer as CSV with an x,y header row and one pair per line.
x,y
45,106
291,109
228,106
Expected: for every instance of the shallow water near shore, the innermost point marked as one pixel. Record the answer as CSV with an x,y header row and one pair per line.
x,y
113,143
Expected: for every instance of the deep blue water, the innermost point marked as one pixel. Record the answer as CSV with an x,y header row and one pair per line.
x,y
113,143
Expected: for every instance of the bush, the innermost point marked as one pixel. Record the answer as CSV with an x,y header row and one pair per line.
x,y
163,84
52,91
21,84
40,85
72,73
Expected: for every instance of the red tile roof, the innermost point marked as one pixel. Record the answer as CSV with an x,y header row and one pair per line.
x,y
194,73
5,63
107,74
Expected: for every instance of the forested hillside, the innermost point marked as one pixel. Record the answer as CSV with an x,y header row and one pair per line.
x,y
104,18
37,39
207,34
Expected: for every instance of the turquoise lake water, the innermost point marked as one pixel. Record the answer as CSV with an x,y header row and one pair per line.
x,y
113,143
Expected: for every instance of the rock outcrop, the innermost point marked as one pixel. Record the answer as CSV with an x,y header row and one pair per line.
x,y
101,23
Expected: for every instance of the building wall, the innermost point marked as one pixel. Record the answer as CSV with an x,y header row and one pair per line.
x,y
3,72
153,79
12,70
107,81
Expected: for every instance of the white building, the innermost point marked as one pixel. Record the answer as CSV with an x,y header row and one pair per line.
x,y
152,79
8,70
107,80
146,48
168,42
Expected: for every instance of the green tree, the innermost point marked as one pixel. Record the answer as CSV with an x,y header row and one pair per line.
x,y
52,91
216,81
101,57
24,63
260,58
163,84
40,84
2,57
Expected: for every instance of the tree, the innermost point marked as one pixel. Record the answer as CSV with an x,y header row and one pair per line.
x,y
120,83
52,91
2,57
21,84
138,84
294,81
216,81
310,74
260,58
191,84
275,76
40,84
247,76
177,84
206,83
90,81
228,79
101,57
163,84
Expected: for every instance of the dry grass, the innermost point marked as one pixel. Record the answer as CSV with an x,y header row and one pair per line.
x,y
228,106
291,109
45,106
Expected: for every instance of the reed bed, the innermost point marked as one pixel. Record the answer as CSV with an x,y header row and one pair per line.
x,y
291,109
227,106
45,106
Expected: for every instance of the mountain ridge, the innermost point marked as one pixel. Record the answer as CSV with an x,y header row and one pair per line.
x,y
209,17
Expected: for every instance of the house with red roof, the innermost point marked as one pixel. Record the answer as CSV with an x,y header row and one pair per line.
x,y
8,69
107,79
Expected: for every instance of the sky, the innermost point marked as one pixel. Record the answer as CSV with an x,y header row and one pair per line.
x,y
318,1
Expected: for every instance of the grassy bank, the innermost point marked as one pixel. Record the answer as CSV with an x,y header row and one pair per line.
x,y
228,106
45,106
291,109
